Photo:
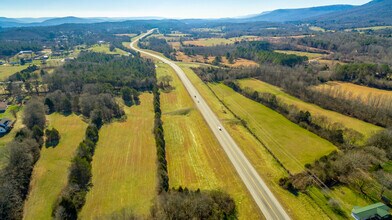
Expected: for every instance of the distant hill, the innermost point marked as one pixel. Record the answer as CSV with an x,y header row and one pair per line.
x,y
69,20
9,22
283,15
374,13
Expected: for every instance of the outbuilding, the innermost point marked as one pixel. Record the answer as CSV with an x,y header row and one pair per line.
x,y
378,211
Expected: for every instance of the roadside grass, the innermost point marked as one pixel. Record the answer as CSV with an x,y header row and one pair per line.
x,y
342,195
4,153
124,165
293,145
104,48
362,127
370,96
311,56
298,207
50,174
6,71
195,158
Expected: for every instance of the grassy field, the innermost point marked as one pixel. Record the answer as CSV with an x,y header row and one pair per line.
x,y
207,42
298,207
311,56
50,174
10,136
366,129
195,158
124,165
344,196
370,96
374,28
6,71
293,145
104,48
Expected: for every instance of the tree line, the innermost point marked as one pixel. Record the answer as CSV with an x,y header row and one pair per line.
x,y
24,153
73,196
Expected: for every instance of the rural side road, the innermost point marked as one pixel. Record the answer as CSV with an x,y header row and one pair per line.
x,y
266,201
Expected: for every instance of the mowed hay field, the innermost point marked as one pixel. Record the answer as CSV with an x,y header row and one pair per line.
x,y
6,71
311,56
370,96
362,127
50,174
104,48
124,165
293,145
298,207
195,158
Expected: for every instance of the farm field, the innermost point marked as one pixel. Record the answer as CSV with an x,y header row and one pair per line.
x,y
6,71
50,174
370,96
293,145
10,136
124,165
195,158
206,42
104,48
362,127
262,160
278,134
311,56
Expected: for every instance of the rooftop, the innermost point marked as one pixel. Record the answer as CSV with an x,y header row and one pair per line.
x,y
379,209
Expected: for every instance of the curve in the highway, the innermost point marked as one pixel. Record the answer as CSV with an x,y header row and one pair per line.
x,y
264,198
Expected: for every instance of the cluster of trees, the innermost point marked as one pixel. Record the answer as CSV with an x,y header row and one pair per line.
x,y
360,168
25,74
373,75
108,71
163,177
9,48
130,96
184,204
24,153
349,47
259,51
159,45
73,196
290,60
52,137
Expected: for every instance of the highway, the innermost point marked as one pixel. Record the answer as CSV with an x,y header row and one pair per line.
x,y
265,200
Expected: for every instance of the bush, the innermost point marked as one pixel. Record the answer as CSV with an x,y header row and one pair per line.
x,y
52,137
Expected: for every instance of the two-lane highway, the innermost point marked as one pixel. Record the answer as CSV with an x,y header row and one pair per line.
x,y
266,201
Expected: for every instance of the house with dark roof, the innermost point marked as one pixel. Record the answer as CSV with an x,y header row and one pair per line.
x,y
5,125
378,211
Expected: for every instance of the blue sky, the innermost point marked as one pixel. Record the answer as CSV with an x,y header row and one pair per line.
x,y
160,8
